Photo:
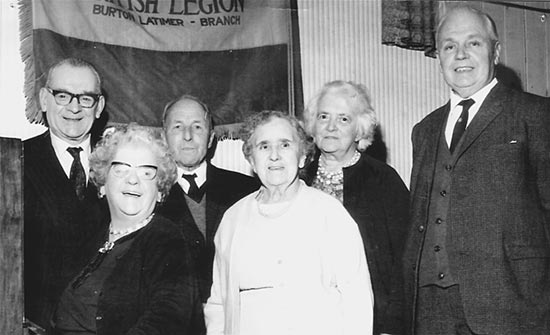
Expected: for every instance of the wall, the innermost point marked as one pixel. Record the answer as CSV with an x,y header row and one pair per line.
x,y
524,33
342,40
12,114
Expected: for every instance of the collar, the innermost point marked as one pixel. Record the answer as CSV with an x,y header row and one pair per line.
x,y
478,97
65,158
201,176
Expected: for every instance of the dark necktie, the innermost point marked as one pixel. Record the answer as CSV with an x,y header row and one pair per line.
x,y
461,123
194,192
77,176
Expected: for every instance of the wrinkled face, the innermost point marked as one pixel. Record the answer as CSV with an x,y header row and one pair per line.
x,y
131,185
72,122
467,55
187,133
335,129
276,154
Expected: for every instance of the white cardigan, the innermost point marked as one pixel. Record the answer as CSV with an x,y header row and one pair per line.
x,y
343,273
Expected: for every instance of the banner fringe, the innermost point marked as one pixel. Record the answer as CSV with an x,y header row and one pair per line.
x,y
32,110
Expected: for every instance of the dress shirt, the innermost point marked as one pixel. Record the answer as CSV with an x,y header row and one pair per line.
x,y
456,110
65,158
200,179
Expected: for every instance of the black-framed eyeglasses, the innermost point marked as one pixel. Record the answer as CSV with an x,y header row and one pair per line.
x,y
63,98
144,172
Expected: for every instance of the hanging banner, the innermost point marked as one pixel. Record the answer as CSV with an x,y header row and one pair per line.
x,y
234,55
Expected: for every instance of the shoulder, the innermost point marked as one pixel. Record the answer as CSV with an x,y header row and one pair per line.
x,y
162,230
373,164
434,117
524,101
320,200
37,143
374,171
216,171
241,206
227,178
323,209
235,214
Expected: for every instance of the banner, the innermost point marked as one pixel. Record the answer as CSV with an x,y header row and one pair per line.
x,y
235,55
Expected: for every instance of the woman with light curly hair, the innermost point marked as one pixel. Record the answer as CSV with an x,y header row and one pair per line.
x,y
141,280
341,120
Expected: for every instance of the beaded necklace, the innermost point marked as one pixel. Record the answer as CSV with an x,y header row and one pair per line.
x,y
115,234
333,182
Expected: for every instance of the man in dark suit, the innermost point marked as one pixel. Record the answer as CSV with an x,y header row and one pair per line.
x,y
477,260
62,213
203,191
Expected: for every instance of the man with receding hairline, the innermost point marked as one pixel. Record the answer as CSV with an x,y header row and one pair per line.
x,y
62,214
203,191
477,260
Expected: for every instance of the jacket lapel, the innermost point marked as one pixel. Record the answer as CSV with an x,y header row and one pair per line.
x,y
489,110
427,149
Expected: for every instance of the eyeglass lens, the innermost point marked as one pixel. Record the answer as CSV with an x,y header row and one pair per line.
x,y
64,98
145,172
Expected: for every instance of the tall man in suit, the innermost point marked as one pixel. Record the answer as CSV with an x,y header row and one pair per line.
x,y
203,191
477,260
62,213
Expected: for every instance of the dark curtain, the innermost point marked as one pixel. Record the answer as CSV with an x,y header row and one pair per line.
x,y
410,24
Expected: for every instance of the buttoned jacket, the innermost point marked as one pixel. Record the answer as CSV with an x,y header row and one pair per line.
x,y
61,233
499,212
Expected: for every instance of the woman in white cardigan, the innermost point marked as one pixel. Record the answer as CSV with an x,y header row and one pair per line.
x,y
289,258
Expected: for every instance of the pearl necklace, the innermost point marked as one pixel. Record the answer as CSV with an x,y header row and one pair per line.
x,y
333,182
335,177
115,234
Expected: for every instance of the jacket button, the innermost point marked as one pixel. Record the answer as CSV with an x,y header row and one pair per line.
x,y
443,193
438,221
441,275
437,248
421,228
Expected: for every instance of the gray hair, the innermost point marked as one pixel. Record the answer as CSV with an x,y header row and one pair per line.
x,y
360,101
77,63
258,119
490,26
207,114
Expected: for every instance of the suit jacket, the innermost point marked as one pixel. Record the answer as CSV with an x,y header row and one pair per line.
x,y
61,233
499,212
378,201
152,289
222,189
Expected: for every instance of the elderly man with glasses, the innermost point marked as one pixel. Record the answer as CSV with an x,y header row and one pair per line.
x,y
61,208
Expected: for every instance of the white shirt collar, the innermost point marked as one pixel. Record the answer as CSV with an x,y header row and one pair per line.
x,y
478,97
200,171
65,158
456,110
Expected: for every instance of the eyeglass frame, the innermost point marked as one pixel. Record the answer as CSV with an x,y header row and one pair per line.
x,y
95,97
141,175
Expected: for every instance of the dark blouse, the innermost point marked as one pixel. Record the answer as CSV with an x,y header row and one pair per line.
x,y
77,308
146,286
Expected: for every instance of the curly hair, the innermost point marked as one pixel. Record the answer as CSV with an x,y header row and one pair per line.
x,y
255,120
151,138
358,99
